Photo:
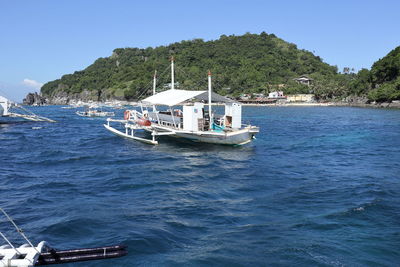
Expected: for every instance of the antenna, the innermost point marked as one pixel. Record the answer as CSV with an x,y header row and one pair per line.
x,y
172,74
154,82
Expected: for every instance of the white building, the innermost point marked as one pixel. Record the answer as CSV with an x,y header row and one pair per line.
x,y
303,79
276,94
301,98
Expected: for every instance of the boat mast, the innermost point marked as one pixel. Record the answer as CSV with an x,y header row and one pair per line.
x,y
172,74
209,99
154,82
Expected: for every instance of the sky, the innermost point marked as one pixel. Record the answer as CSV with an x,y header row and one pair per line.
x,y
42,40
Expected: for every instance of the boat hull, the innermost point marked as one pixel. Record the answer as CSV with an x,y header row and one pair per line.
x,y
239,137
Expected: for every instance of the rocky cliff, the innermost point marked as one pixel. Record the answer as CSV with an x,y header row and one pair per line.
x,y
34,99
65,98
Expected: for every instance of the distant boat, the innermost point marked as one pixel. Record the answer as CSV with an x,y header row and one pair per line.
x,y
194,122
91,112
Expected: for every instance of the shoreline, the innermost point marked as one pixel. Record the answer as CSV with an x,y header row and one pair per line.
x,y
288,104
393,105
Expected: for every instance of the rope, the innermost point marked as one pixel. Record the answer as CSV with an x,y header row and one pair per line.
x,y
9,243
151,83
19,230
199,84
9,98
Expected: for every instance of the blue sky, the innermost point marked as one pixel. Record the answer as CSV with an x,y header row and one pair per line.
x,y
42,40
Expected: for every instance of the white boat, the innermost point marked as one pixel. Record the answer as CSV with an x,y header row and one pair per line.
x,y
91,112
28,255
8,108
196,120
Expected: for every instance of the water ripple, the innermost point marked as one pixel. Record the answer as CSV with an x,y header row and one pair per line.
x,y
319,186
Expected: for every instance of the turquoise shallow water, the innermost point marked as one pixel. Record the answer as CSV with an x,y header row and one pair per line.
x,y
319,186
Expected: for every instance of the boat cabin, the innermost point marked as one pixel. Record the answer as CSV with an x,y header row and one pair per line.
x,y
194,116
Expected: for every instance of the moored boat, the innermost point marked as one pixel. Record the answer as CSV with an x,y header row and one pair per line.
x,y
196,121
91,112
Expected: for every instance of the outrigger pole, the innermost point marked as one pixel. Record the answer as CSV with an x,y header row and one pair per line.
x,y
209,99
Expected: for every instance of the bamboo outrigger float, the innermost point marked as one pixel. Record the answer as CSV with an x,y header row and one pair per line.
x,y
193,122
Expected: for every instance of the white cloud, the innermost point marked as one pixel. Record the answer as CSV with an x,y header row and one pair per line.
x,y
16,92
32,83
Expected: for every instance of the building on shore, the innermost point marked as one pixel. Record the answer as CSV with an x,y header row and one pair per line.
x,y
304,79
301,98
276,94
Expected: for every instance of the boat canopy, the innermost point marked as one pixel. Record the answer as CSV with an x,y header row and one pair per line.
x,y
3,106
174,97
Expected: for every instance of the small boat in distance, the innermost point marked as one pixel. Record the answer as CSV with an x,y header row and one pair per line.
x,y
91,112
196,121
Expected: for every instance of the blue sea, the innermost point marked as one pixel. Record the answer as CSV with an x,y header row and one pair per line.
x,y
320,186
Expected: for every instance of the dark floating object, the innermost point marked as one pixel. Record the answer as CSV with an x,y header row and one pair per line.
x,y
83,254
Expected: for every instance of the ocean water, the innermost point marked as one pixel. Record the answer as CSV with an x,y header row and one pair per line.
x,y
320,186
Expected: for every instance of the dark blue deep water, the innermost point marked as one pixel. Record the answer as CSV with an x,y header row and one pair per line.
x,y
320,186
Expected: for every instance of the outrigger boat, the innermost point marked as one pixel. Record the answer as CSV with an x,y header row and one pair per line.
x,y
193,122
7,106
28,255
91,112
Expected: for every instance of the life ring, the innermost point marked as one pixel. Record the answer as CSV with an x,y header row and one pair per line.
x,y
127,115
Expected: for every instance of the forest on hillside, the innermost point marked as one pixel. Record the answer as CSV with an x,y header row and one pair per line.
x,y
251,63
382,82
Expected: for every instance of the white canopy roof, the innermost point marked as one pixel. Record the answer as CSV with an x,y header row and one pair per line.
x,y
174,97
171,97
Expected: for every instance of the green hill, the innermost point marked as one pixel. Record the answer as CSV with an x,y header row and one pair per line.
x,y
247,63
384,78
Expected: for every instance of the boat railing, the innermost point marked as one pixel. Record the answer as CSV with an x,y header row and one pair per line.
x,y
19,230
166,119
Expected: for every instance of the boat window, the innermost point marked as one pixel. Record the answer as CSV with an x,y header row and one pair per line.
x,y
228,121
